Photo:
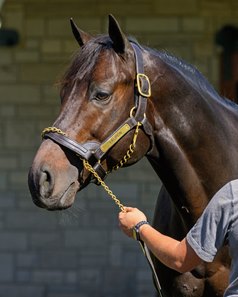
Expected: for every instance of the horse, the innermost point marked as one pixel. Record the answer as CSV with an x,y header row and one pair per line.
x,y
121,101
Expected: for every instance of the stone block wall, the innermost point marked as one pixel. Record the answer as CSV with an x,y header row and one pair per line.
x,y
81,252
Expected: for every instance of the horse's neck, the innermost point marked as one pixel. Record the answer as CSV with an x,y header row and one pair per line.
x,y
190,139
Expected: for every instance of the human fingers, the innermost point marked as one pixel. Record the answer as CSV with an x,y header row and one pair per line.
x,y
125,210
125,230
128,208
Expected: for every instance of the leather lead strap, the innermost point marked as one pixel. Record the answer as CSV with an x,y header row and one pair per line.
x,y
142,103
152,267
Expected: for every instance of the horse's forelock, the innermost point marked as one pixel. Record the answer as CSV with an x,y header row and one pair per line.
x,y
84,60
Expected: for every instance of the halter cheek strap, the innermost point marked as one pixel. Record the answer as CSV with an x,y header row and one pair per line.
x,y
93,152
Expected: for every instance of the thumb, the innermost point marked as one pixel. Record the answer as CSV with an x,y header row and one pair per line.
x,y
128,209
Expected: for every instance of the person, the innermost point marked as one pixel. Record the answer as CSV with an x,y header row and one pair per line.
x,y
217,225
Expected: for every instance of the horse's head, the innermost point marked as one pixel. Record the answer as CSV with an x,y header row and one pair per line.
x,y
97,121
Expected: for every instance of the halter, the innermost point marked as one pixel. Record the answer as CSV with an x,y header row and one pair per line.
x,y
93,152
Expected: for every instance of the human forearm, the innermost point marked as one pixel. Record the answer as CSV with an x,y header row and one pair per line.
x,y
177,255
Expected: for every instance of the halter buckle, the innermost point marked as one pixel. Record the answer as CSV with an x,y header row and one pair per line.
x,y
143,85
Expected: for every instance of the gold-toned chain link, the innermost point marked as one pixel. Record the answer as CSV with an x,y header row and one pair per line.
x,y
129,152
124,160
52,129
102,183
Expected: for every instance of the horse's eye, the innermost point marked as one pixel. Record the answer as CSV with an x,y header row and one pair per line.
x,y
102,96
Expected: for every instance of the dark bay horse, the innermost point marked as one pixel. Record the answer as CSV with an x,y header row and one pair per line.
x,y
185,129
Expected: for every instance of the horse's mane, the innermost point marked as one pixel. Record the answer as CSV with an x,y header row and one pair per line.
x,y
193,76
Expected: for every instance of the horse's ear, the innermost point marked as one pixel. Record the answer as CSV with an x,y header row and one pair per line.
x,y
120,41
79,35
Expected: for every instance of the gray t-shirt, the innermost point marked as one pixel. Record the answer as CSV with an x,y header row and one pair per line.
x,y
218,223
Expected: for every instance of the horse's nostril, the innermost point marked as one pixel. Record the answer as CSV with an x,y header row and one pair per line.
x,y
46,184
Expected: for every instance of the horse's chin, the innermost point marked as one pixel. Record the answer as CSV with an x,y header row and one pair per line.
x,y
59,202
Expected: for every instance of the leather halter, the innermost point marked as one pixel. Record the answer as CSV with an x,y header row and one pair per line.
x,y
93,152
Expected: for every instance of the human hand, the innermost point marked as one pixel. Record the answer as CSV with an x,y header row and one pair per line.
x,y
129,218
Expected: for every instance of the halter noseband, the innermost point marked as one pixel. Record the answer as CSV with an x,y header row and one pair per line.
x,y
93,152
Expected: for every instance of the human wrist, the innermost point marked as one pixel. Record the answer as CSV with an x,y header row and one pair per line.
x,y
143,227
136,230
143,231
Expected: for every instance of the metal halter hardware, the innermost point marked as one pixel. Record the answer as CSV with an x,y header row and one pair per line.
x,y
93,152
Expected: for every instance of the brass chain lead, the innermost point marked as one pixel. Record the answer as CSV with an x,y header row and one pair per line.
x,y
129,152
103,184
124,160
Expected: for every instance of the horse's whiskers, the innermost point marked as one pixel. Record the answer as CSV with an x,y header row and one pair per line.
x,y
70,216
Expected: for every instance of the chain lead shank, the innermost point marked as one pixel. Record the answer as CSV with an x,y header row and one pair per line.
x,y
102,183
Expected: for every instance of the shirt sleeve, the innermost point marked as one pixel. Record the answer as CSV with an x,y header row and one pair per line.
x,y
210,231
